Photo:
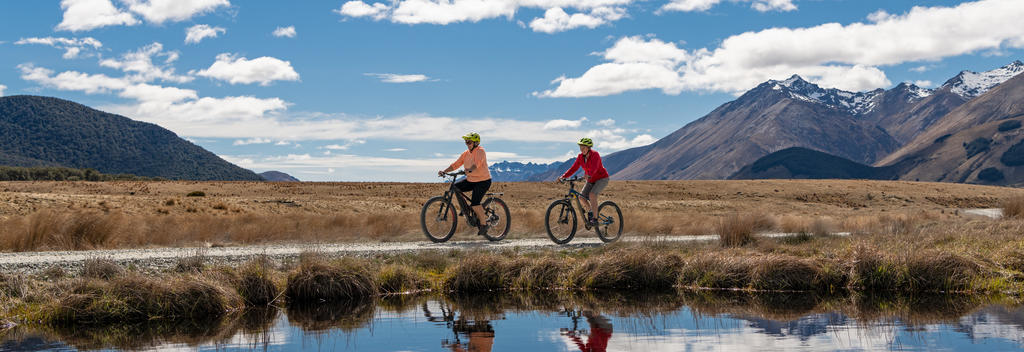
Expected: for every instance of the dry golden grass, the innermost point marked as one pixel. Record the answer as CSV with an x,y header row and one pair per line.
x,y
86,215
739,229
1013,207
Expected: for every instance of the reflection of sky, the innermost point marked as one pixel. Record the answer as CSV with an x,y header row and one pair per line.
x,y
991,329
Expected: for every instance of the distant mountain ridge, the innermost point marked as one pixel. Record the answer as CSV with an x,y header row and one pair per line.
x,y
277,176
44,131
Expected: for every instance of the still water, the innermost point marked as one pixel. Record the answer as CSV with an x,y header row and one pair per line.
x,y
558,321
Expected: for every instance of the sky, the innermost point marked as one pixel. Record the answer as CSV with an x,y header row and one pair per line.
x,y
383,91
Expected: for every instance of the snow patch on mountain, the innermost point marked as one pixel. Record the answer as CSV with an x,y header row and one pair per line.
x,y
855,103
970,84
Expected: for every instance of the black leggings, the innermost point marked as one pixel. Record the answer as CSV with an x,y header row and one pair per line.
x,y
479,189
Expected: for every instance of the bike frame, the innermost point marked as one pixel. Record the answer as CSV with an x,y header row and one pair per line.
x,y
575,196
462,201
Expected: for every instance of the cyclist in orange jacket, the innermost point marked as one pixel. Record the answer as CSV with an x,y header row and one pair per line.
x,y
478,178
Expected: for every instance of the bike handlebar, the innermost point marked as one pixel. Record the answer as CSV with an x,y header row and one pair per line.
x,y
574,179
454,174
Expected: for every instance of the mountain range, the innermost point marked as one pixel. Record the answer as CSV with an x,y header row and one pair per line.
x,y
950,133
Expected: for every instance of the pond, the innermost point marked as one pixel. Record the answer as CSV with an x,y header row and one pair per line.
x,y
561,321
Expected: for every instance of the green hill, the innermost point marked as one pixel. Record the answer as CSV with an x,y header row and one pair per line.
x,y
50,132
803,163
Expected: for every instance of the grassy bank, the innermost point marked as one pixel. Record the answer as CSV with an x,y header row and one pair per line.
x,y
978,258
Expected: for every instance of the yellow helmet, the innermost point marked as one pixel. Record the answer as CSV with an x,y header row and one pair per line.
x,y
472,136
586,141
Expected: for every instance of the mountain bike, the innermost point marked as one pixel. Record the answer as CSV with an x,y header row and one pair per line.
x,y
560,219
439,217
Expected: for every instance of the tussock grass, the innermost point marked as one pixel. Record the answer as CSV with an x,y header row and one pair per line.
x,y
191,264
100,268
546,272
1013,208
627,269
393,278
13,285
135,298
342,281
717,271
478,273
739,229
255,283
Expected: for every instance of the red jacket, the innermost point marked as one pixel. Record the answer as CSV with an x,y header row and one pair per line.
x,y
592,167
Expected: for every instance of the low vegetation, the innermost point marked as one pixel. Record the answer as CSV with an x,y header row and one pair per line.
x,y
13,173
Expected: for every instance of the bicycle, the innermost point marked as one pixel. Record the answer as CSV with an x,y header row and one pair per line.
x,y
439,219
609,217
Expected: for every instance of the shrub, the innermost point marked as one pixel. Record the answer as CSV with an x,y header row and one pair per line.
x,y
1009,125
977,146
990,174
1013,156
196,194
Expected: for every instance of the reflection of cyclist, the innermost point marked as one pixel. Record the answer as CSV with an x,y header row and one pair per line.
x,y
481,336
596,175
478,178
600,333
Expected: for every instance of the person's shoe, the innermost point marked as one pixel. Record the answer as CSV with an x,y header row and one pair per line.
x,y
482,230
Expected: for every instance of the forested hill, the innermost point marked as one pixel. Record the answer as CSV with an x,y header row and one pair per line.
x,y
43,131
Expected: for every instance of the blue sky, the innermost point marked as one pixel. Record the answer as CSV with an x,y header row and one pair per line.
x,y
354,90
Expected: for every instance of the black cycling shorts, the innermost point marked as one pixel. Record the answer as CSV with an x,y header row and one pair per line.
x,y
479,189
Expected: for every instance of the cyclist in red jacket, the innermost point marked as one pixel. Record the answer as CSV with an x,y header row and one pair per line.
x,y
596,175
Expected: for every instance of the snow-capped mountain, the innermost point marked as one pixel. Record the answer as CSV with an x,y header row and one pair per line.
x,y
856,103
970,84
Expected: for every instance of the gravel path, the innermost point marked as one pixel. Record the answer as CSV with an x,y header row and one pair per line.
x,y
155,259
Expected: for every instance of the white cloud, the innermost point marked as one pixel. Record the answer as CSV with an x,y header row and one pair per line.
x,y
557,20
704,5
251,141
140,64
606,123
397,78
562,124
2,88
924,83
443,12
160,11
263,70
358,8
72,46
283,143
72,80
151,93
195,34
84,15
285,32
395,150
832,55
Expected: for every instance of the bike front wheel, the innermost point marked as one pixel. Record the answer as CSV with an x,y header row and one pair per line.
x,y
560,221
609,222
438,219
498,218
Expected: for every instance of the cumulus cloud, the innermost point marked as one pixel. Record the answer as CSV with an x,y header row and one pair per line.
x,y
397,78
239,70
72,46
160,11
2,88
924,83
561,123
832,55
139,64
84,15
704,5
252,141
557,20
195,34
592,13
285,32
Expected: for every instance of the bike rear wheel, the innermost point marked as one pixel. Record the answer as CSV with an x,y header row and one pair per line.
x,y
609,222
498,217
560,221
438,219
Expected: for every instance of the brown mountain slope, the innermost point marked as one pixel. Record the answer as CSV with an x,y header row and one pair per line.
x,y
904,113
1006,99
764,120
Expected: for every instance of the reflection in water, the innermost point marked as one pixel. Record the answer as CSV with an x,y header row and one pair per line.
x,y
561,320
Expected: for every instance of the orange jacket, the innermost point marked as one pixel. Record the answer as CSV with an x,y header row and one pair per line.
x,y
477,157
